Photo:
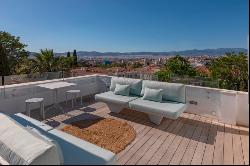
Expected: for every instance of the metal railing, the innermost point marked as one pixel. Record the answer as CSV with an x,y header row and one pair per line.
x,y
188,80
196,81
32,77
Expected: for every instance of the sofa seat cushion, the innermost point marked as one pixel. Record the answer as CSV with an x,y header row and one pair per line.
x,y
110,97
135,84
19,146
171,91
165,108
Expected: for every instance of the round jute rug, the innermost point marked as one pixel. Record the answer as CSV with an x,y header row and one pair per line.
x,y
110,134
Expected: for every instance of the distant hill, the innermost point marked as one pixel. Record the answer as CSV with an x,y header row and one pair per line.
x,y
194,52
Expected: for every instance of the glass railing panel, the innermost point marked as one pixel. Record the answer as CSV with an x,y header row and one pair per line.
x,y
32,77
188,80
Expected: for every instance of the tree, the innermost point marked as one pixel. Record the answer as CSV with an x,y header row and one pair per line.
x,y
24,66
3,65
180,66
232,71
68,54
75,58
136,65
11,51
64,63
45,61
163,75
69,57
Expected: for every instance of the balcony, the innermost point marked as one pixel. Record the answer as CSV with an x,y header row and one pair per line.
x,y
213,130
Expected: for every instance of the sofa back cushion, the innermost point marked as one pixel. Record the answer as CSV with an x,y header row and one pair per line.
x,y
171,91
19,146
123,90
135,84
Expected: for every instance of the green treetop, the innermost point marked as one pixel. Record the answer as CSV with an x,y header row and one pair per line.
x,y
232,70
68,54
11,52
75,58
180,66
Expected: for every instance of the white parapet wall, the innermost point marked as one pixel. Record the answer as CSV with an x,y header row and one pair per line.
x,y
12,97
228,106
243,108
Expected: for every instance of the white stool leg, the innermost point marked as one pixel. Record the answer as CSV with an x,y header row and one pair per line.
x,y
76,98
28,109
81,101
42,109
66,98
72,101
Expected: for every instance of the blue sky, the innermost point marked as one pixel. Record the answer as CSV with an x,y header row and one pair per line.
x,y
126,25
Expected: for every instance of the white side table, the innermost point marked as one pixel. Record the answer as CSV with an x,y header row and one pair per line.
x,y
55,86
74,94
35,100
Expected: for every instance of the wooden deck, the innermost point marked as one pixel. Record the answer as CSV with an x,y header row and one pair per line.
x,y
191,139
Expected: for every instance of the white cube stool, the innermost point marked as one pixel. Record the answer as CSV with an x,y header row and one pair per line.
x,y
74,94
35,100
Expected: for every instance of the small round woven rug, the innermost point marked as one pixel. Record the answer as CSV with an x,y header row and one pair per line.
x,y
113,135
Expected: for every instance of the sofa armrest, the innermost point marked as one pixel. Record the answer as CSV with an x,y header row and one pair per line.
x,y
27,121
76,151
3,161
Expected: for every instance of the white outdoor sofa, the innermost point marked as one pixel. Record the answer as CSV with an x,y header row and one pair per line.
x,y
73,151
172,105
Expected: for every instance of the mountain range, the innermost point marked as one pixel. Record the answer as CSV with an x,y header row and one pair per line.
x,y
194,52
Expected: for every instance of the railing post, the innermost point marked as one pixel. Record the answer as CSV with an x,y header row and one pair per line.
x,y
63,75
2,80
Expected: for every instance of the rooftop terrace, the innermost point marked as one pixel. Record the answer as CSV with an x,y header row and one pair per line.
x,y
191,139
211,131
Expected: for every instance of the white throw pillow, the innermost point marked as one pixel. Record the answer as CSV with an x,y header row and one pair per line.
x,y
19,146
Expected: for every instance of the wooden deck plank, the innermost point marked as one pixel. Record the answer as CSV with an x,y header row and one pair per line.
x,y
188,155
245,146
170,134
176,159
139,154
129,120
228,146
148,155
173,147
237,147
200,149
125,158
139,137
177,126
209,151
187,140
219,145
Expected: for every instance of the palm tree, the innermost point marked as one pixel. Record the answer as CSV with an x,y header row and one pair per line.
x,y
45,61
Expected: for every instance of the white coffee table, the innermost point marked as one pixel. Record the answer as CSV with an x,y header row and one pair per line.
x,y
55,86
